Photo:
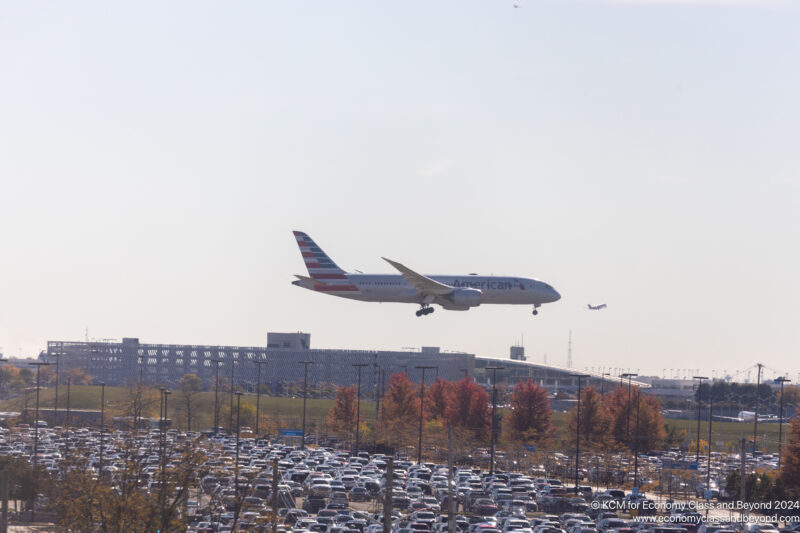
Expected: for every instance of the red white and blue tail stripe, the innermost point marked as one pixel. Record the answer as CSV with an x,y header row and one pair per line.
x,y
321,268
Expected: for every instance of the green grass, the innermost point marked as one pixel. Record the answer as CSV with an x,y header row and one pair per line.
x,y
290,410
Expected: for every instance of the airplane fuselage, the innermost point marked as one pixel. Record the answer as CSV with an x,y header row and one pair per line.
x,y
394,288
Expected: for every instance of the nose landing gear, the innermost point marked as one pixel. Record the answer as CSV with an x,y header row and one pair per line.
x,y
426,310
535,310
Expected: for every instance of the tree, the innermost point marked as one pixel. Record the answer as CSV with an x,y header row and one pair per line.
x,y
651,423
437,398
790,460
342,416
188,390
530,418
469,408
594,420
399,412
77,376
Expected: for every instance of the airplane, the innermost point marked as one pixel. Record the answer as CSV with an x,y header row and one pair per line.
x,y
454,293
596,307
746,416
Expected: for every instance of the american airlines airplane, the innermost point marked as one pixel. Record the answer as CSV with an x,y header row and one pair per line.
x,y
454,293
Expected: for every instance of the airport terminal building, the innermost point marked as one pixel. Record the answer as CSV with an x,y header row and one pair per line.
x,y
128,361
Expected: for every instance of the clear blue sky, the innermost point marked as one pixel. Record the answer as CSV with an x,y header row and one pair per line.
x,y
155,157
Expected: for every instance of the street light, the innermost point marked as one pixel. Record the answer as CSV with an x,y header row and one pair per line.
x,y
699,401
216,362
38,365
781,380
230,414
238,428
421,402
628,416
55,407
102,422
494,370
578,439
603,387
358,403
305,394
758,404
258,393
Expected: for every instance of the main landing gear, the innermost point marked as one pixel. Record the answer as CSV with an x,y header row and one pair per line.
x,y
426,310
535,310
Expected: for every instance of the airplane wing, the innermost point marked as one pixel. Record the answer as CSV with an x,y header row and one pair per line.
x,y
728,418
422,283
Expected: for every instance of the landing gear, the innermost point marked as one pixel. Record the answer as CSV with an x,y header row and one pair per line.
x,y
426,310
535,311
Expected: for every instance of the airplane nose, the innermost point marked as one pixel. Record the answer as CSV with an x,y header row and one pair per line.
x,y
554,296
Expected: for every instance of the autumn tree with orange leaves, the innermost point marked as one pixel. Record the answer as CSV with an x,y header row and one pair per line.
x,y
790,460
469,409
594,421
437,398
399,414
342,416
622,417
529,420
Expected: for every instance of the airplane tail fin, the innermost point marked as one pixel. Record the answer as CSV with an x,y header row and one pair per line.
x,y
319,265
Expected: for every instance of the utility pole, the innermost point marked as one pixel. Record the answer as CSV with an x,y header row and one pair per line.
x,y
230,415
236,474
387,498
699,403
782,380
358,403
102,423
69,382
578,439
628,416
305,394
259,364
216,362
58,374
493,437
421,402
758,405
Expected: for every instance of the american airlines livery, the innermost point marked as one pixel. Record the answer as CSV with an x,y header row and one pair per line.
x,y
455,293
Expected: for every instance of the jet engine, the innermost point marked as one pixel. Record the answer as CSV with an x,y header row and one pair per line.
x,y
465,297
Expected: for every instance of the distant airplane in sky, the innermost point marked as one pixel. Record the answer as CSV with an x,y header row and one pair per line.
x,y
454,293
596,307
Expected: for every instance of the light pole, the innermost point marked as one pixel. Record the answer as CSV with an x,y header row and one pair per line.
x,y
305,394
628,416
58,374
216,362
708,464
578,439
238,428
38,365
421,402
102,422
358,403
69,382
230,414
141,370
493,437
258,393
758,405
699,402
782,380
603,387
636,445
